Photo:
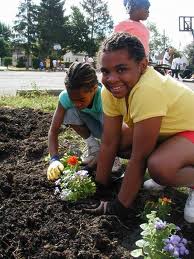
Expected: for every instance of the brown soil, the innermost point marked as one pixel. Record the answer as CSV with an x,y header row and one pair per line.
x,y
35,224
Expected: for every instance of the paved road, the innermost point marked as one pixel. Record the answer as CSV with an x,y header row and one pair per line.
x,y
10,81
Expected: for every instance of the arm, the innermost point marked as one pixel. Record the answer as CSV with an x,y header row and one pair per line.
x,y
109,147
145,137
57,120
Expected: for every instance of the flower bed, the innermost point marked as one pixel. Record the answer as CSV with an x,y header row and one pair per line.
x,y
74,184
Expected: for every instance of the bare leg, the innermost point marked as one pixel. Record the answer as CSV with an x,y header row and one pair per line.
x,y
81,130
124,151
126,142
172,162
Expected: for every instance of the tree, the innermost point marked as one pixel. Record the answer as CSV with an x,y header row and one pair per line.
x,y
99,21
5,32
51,25
5,43
78,29
26,26
189,53
158,41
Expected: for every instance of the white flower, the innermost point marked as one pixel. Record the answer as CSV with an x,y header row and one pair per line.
x,y
66,171
57,182
65,194
57,190
82,173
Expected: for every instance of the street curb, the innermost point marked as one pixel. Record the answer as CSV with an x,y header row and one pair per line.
x,y
54,92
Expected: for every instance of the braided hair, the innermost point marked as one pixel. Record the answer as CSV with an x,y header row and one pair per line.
x,y
123,40
131,5
80,75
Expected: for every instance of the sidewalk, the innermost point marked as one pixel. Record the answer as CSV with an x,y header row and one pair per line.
x,y
3,68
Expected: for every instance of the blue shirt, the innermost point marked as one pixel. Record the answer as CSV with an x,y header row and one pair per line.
x,y
94,111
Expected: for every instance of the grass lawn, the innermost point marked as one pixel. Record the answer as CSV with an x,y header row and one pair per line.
x,y
35,100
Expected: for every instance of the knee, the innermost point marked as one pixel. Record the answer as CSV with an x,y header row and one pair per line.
x,y
159,171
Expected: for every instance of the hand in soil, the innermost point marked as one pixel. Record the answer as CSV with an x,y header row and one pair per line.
x,y
114,207
54,170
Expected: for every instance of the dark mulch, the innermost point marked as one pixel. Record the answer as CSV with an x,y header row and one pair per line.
x,y
35,224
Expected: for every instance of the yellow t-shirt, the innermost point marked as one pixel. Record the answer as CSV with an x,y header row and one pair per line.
x,y
155,95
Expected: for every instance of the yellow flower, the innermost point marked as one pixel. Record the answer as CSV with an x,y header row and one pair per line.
x,y
165,201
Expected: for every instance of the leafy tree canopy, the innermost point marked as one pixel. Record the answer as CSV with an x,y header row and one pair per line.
x,y
158,41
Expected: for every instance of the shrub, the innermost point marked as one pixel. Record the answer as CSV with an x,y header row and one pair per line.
x,y
35,62
21,62
67,64
7,61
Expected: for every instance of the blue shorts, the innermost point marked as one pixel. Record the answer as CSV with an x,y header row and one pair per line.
x,y
74,116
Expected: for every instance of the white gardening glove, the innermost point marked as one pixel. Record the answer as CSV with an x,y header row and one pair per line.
x,y
54,170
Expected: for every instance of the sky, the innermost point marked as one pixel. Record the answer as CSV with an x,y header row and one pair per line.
x,y
164,13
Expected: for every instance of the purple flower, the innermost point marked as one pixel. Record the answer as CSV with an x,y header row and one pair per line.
x,y
183,250
169,248
82,173
175,245
159,224
178,228
184,241
175,239
176,252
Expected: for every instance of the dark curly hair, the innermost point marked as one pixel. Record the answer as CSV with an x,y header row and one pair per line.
x,y
80,75
132,5
123,40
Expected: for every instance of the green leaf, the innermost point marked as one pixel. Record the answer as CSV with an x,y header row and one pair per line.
x,y
140,243
137,253
144,226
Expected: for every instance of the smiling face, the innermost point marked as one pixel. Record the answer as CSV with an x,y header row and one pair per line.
x,y
120,73
83,97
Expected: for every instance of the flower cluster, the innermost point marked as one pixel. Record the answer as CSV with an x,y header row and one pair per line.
x,y
160,240
74,184
176,246
70,162
162,206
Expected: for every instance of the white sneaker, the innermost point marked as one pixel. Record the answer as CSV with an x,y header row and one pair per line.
x,y
117,165
152,185
189,207
92,151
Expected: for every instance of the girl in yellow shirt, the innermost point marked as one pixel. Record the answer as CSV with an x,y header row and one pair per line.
x,y
148,119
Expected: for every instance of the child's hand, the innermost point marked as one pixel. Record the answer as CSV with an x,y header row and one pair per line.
x,y
111,208
54,170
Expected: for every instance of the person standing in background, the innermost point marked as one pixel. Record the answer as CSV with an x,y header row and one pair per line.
x,y
168,56
47,64
54,61
176,65
91,61
138,11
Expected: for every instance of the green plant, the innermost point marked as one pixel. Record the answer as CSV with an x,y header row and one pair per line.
x,y
7,61
74,184
162,207
159,240
44,101
35,62
67,64
21,62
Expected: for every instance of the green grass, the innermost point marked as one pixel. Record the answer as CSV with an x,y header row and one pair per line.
x,y
35,100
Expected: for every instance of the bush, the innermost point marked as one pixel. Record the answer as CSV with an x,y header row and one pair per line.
x,y
21,62
67,64
7,61
35,62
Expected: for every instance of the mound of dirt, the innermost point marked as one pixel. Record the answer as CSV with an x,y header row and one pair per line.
x,y
34,223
